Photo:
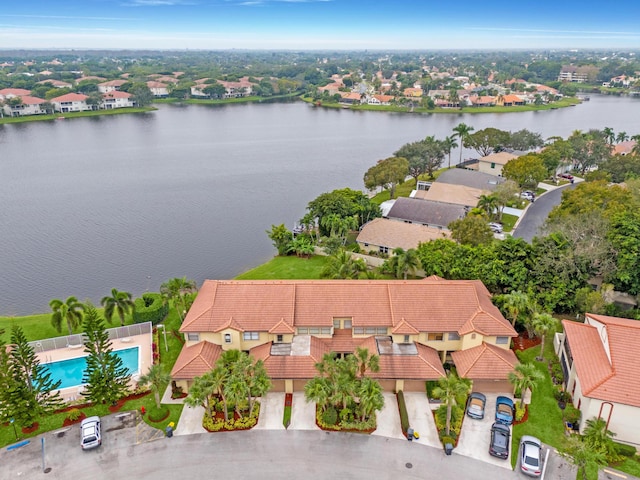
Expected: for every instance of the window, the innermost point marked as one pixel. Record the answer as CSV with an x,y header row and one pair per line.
x,y
436,337
325,331
502,340
473,336
358,331
381,331
227,338
386,249
193,337
279,338
407,339
370,330
347,324
454,336
336,323
493,165
314,330
303,331
251,336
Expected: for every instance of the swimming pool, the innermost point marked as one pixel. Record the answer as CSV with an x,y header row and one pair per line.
x,y
70,371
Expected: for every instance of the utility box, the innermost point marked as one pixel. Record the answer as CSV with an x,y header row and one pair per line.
x,y
169,431
448,448
410,434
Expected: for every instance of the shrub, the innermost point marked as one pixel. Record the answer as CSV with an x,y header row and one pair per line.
x,y
73,414
625,450
151,307
330,416
431,384
404,416
457,414
520,411
446,440
557,373
571,414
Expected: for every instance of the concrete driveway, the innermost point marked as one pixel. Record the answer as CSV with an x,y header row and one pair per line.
x,y
421,418
303,414
475,436
389,418
271,412
190,421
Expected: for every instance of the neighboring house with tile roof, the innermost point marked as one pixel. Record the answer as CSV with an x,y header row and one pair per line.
x,y
55,83
599,359
28,106
71,102
116,99
624,148
426,212
414,326
492,164
451,193
158,89
384,235
111,86
7,93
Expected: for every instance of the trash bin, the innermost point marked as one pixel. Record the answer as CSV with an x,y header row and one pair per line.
x,y
410,434
448,448
169,431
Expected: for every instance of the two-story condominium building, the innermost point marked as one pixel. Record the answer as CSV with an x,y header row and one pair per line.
x,y
414,326
116,99
599,359
111,86
71,102
7,93
158,89
28,106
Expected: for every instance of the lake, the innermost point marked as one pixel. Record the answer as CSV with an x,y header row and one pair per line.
x,y
129,201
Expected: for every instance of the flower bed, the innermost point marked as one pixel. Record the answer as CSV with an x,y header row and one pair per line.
x,y
218,424
368,427
31,429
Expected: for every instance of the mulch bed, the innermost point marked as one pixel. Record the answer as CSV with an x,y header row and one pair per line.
x,y
179,395
115,408
220,416
31,429
67,422
164,417
288,399
368,431
525,418
523,342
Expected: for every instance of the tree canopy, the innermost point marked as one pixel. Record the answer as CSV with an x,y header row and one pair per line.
x,y
387,174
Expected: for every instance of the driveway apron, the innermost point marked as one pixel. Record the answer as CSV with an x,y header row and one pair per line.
x,y
421,418
271,411
389,418
303,414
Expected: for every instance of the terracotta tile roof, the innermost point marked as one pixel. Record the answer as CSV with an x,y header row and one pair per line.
x,y
511,98
449,193
55,83
291,366
500,158
116,94
622,148
426,365
393,234
282,327
350,95
18,92
615,379
484,362
428,305
151,84
112,83
70,97
384,98
196,360
404,328
426,211
27,100
342,341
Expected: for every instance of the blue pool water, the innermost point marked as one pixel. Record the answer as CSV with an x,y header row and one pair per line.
x,y
70,371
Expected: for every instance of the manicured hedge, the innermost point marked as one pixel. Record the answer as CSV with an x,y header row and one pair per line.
x,y
151,307
625,450
404,416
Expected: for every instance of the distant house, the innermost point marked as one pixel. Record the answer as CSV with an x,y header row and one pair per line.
x,y
426,212
624,148
158,89
470,178
241,88
71,102
380,99
571,73
492,164
599,359
450,193
116,99
510,100
350,97
7,93
384,235
482,100
111,86
28,106
55,83
412,92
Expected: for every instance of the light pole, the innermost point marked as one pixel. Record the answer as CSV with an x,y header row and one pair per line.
x,y
164,331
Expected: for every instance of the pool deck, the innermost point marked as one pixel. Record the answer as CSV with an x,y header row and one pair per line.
x,y
74,351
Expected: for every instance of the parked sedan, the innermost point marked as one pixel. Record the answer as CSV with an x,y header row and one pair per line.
x,y
499,446
504,410
495,227
475,405
90,433
530,456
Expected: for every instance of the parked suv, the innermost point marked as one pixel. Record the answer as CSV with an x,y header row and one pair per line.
x,y
90,433
499,446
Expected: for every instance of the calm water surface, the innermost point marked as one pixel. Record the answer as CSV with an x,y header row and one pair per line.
x,y
129,201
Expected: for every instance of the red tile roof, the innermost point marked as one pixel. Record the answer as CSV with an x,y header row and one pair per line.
x,y
27,100
116,94
196,360
611,378
70,97
484,362
112,83
426,365
14,91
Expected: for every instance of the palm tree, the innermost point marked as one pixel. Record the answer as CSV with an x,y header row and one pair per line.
x,y
405,261
317,390
236,390
524,377
462,132
622,137
366,361
609,134
516,303
258,382
371,397
343,266
69,311
448,144
488,203
157,378
120,302
542,324
218,380
583,456
598,437
201,392
448,389
178,290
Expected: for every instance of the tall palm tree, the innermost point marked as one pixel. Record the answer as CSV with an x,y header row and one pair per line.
x,y
583,456
218,380
406,261
258,382
515,303
462,132
448,389
119,302
524,377
157,378
488,203
178,290
317,390
69,311
201,393
542,324
448,144
371,397
236,390
366,361
622,137
609,134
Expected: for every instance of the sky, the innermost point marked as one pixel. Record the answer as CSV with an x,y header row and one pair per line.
x,y
319,24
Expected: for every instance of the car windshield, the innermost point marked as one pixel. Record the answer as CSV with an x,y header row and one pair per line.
x,y
531,461
89,439
476,402
500,440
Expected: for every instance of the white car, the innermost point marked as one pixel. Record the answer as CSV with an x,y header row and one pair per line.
x,y
495,227
530,456
528,195
90,433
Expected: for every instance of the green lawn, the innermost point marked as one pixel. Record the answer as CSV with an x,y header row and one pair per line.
x,y
289,267
92,113
508,221
545,417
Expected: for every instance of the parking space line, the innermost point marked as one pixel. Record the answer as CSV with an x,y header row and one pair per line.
x,y
619,475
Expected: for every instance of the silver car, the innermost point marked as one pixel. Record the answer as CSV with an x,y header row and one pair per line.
x,y
90,433
531,456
